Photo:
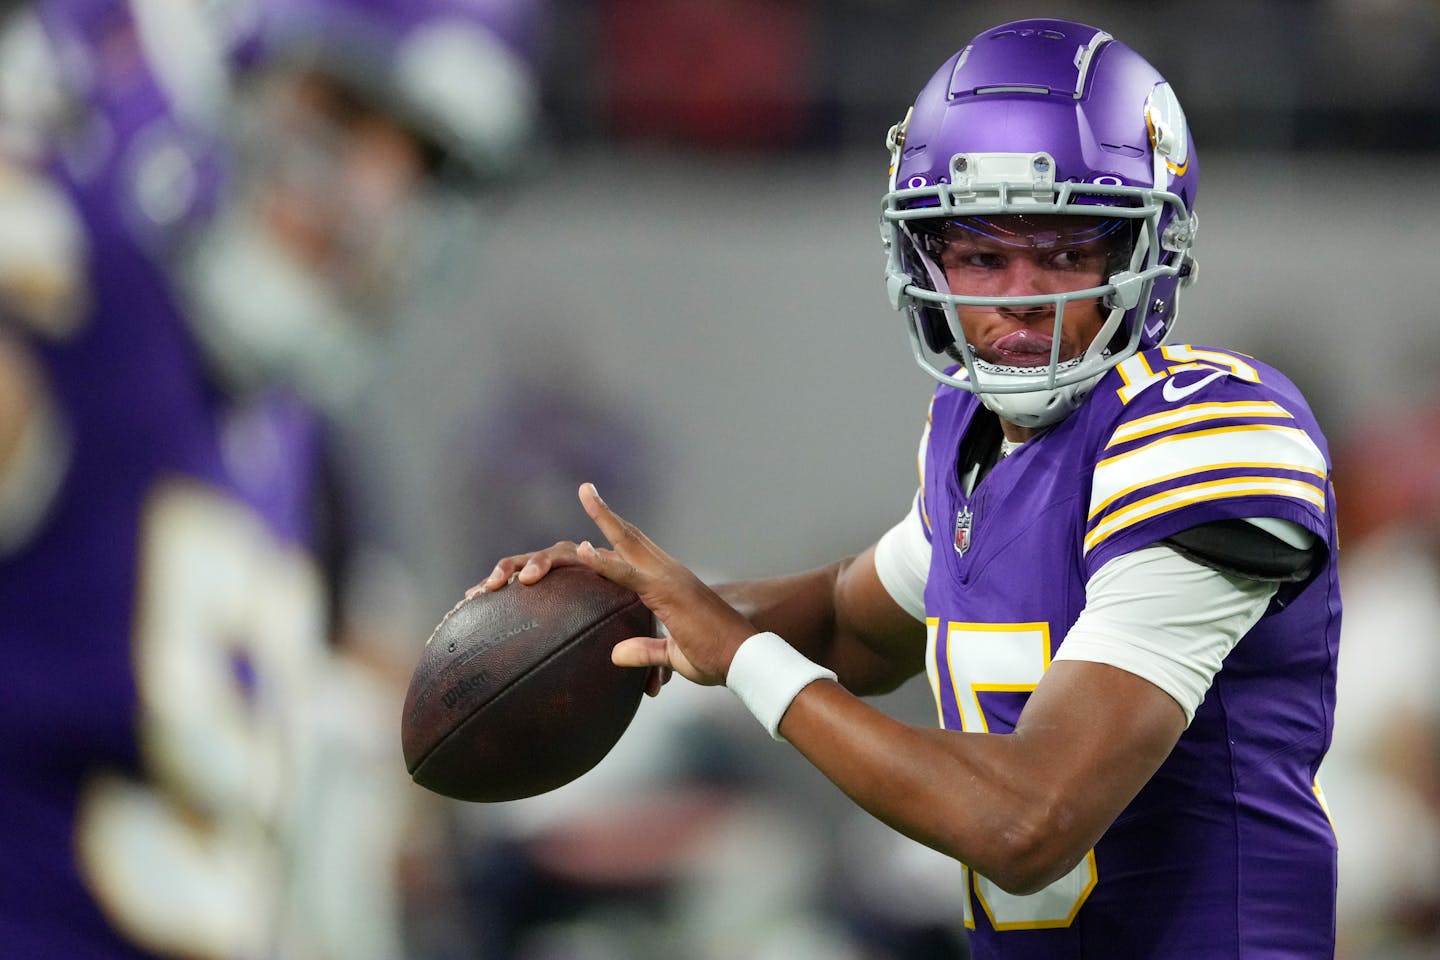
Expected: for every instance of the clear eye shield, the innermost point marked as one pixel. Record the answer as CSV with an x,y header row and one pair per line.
x,y
1028,231
974,254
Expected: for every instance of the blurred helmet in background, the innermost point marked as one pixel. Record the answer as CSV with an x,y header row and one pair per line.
x,y
353,124
458,74
1038,119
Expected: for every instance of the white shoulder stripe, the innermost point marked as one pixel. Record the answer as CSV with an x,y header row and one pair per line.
x,y
1178,498
1256,447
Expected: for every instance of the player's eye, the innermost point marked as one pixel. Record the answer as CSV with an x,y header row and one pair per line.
x,y
1070,259
968,257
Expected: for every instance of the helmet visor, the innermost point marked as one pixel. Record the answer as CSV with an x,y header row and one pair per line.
x,y
1007,255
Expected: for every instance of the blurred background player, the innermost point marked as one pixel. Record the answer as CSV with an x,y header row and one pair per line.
x,y
210,217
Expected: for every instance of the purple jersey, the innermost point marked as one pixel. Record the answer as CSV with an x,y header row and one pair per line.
x,y
153,628
1228,851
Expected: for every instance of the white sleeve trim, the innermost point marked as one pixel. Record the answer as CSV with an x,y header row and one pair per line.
x,y
1165,618
902,560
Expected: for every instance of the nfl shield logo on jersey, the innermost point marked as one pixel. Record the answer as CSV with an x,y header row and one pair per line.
x,y
962,530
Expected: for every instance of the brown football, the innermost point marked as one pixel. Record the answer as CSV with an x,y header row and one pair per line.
x,y
515,694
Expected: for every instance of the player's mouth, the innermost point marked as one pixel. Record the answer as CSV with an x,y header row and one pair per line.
x,y
1026,347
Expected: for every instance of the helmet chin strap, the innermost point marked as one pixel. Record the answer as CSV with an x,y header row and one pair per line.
x,y
1037,408
1043,405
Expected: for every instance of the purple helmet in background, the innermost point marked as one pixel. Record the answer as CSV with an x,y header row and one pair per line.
x,y
359,132
1043,117
461,73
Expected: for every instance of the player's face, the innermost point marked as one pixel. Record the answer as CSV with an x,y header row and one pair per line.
x,y
332,211
1020,256
341,176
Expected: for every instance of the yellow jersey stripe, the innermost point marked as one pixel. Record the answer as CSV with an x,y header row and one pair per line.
x,y
1195,413
1257,466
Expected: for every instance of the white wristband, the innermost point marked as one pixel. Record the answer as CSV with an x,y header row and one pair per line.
x,y
767,674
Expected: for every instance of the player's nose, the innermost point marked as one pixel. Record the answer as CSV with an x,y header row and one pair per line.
x,y
1024,278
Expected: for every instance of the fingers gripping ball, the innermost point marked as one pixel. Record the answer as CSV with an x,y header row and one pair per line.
x,y
515,694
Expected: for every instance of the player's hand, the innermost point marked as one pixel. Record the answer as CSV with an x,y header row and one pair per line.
x,y
704,630
529,568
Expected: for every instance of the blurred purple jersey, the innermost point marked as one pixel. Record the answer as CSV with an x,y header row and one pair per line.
x,y
1228,851
152,630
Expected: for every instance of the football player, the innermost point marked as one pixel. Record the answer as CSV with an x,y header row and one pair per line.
x,y
1119,571
189,767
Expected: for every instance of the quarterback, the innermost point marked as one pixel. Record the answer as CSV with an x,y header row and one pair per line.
x,y
1118,572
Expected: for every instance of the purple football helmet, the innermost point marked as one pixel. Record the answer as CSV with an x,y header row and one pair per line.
x,y
1040,118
